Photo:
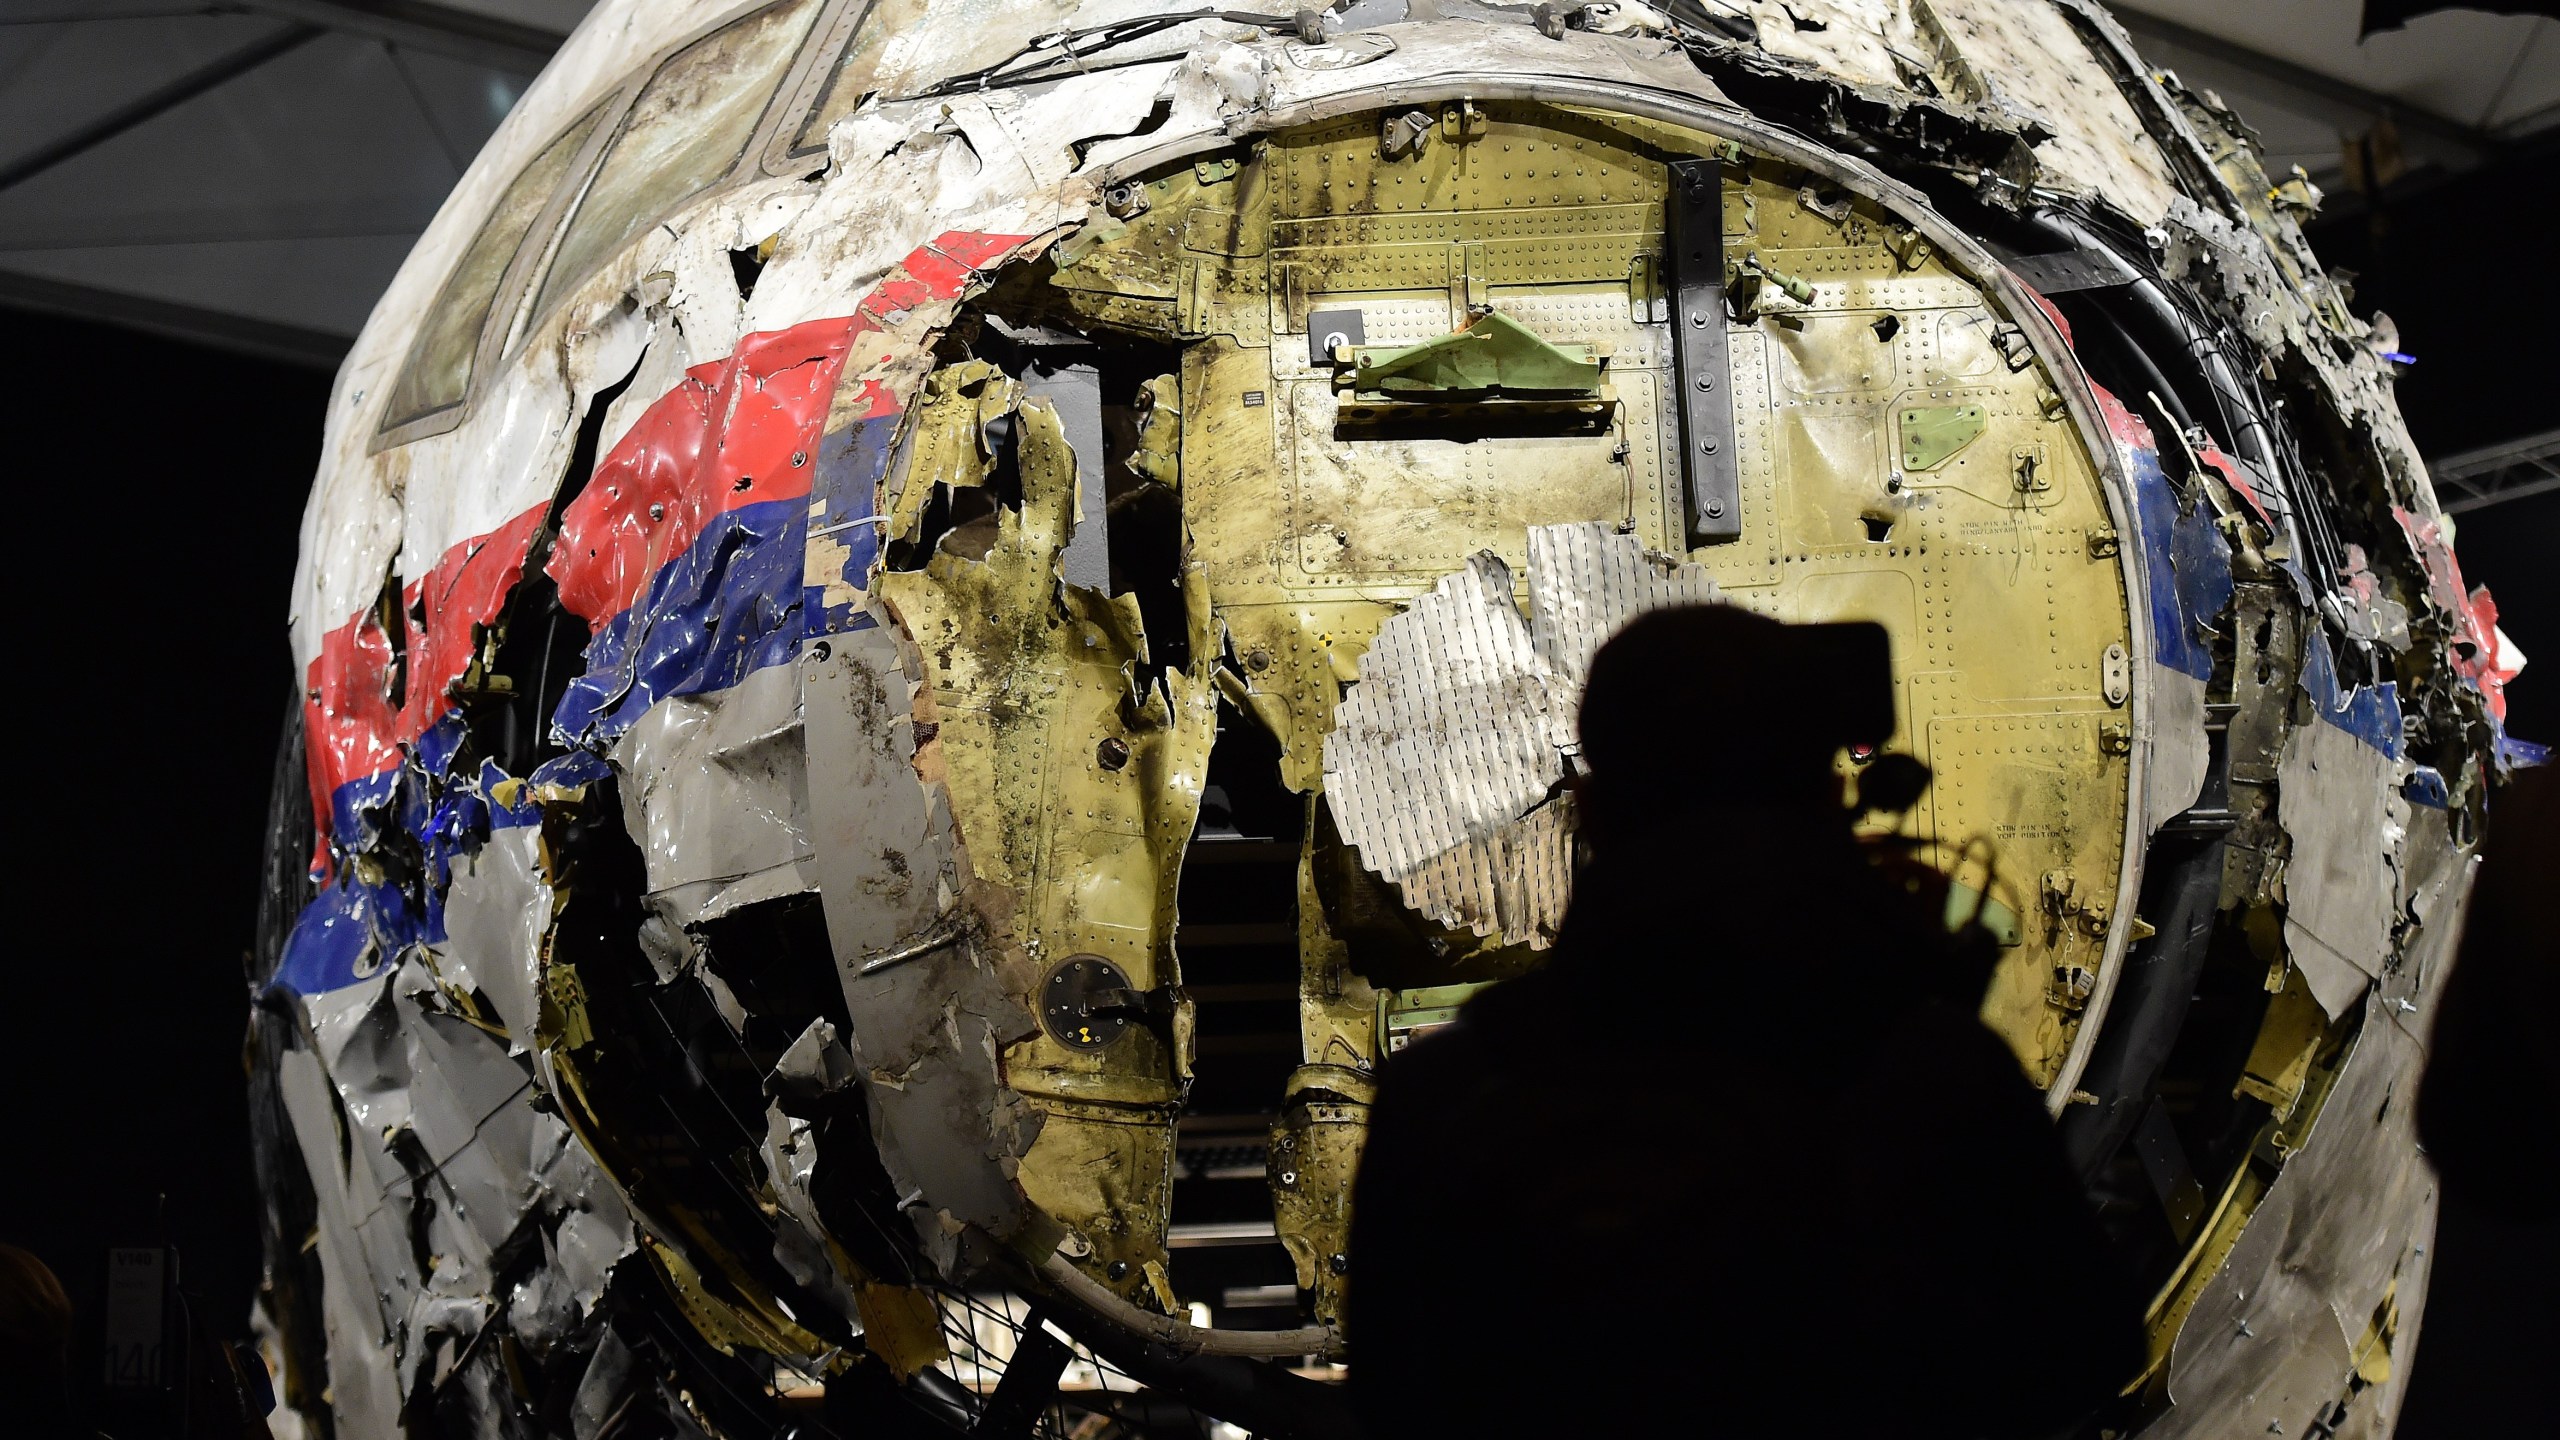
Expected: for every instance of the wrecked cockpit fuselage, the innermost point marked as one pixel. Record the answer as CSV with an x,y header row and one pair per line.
x,y
906,736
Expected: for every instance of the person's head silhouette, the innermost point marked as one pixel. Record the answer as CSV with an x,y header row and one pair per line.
x,y
1702,707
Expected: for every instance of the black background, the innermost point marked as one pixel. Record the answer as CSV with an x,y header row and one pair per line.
x,y
159,489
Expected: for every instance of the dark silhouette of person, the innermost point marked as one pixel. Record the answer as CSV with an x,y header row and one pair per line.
x,y
1738,1161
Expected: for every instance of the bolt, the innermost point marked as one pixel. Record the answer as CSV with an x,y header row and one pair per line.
x,y
1338,1263
657,512
1698,318
1288,1177
799,458
1258,661
1118,1270
1112,753
1715,509
1706,382
1708,445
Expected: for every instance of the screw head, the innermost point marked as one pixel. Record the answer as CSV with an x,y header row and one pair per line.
x,y
1706,382
1715,509
1708,445
1338,1263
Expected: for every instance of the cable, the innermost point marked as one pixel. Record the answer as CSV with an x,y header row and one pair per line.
x,y
1306,25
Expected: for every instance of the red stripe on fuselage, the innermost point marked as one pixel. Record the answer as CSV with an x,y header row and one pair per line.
x,y
722,438
350,727
734,432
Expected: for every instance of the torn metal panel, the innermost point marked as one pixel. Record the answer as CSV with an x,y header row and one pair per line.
x,y
363,1386
2434,893
2186,558
2482,653
2272,1338
2097,141
800,1239
2370,713
1445,760
496,912
1510,884
1449,736
2187,564
1585,583
715,790
683,554
928,1023
1075,392
1071,787
2181,753
2342,810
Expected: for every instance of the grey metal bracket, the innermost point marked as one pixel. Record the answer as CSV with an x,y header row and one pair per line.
x,y
1693,236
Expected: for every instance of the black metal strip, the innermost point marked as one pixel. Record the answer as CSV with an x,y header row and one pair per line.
x,y
157,102
1693,226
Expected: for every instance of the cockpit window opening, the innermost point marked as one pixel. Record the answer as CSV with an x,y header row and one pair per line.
x,y
683,134
847,83
437,376
799,136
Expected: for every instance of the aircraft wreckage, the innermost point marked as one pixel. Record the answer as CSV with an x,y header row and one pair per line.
x,y
928,629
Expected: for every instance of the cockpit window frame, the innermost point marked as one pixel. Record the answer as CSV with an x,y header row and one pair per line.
x,y
606,114
783,153
510,319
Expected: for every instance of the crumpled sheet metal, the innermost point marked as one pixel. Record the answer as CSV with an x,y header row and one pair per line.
x,y
1218,89
496,913
443,507
425,1160
2270,1341
2340,803
2482,653
1585,583
686,552
929,1029
1448,735
2267,284
2187,566
689,553
1445,759
2097,141
683,552
715,789
1064,853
